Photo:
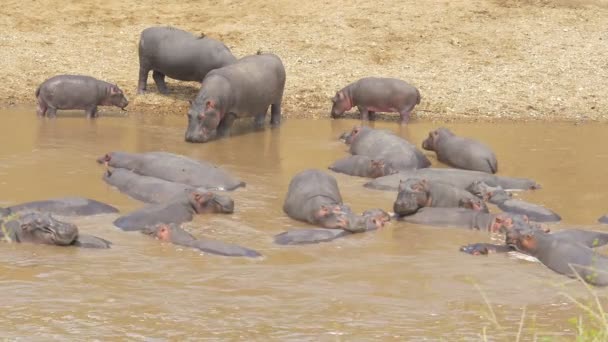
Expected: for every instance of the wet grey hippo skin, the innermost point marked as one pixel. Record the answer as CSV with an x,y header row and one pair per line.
x,y
377,94
77,92
603,219
416,193
178,54
304,236
177,210
362,166
66,206
385,145
43,228
243,89
313,196
502,199
172,233
460,152
456,177
174,168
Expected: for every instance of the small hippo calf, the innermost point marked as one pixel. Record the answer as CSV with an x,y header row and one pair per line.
x,y
77,92
377,94
363,166
460,152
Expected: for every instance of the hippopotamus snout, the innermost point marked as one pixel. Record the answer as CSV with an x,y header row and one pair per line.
x,y
199,134
406,204
223,204
43,228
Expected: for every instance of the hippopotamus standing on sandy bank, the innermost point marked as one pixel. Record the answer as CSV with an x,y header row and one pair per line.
x,y
456,177
77,92
385,145
42,228
460,152
313,196
66,206
178,54
172,233
362,166
173,168
243,89
377,94
177,210
416,193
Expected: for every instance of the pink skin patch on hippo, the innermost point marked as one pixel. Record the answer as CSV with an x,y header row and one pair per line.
x,y
163,233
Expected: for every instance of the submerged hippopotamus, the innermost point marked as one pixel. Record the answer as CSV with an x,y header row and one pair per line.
x,y
77,92
174,168
363,166
178,54
172,233
65,206
377,94
416,193
385,145
603,219
245,88
456,177
180,209
460,152
313,196
43,228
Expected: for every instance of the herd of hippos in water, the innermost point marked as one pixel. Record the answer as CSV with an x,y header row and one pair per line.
x,y
174,188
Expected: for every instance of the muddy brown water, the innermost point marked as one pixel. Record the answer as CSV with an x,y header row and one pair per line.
x,y
405,282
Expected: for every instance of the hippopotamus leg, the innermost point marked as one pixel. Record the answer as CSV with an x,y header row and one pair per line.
x,y
90,241
51,112
159,79
405,116
144,70
223,129
91,111
364,113
41,108
275,113
258,121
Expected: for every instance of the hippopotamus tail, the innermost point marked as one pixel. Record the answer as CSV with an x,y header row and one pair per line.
x,y
38,91
493,167
417,96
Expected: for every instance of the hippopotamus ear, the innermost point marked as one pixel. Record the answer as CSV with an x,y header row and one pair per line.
x,y
421,186
210,104
203,198
401,185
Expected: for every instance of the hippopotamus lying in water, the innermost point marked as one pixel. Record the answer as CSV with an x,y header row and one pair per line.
x,y
362,166
42,228
377,94
66,206
77,92
174,168
180,209
172,233
416,193
459,152
178,54
385,145
603,219
456,177
502,199
313,196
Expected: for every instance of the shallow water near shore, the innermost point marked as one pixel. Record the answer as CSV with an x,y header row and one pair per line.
x,y
401,283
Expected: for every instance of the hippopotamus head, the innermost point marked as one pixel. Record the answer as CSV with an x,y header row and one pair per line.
x,y
115,97
168,233
413,194
430,143
45,229
209,202
341,103
473,203
380,168
523,238
380,216
355,133
204,117
488,193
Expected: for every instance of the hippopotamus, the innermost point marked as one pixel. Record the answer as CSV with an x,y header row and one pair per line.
x,y
313,196
603,219
43,228
180,209
362,166
302,236
243,89
174,168
460,152
385,145
65,206
416,193
77,92
377,94
502,199
172,233
178,54
456,177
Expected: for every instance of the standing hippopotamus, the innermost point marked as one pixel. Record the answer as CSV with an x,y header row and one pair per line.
x,y
172,233
416,193
362,166
177,210
243,89
376,94
313,196
174,168
65,206
77,92
178,54
385,145
460,152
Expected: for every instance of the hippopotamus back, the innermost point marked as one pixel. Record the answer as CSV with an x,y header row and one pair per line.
x,y
305,189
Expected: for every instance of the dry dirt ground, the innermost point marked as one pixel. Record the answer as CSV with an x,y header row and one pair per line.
x,y
471,59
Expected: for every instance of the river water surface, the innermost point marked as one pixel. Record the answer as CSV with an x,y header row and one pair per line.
x,y
405,282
